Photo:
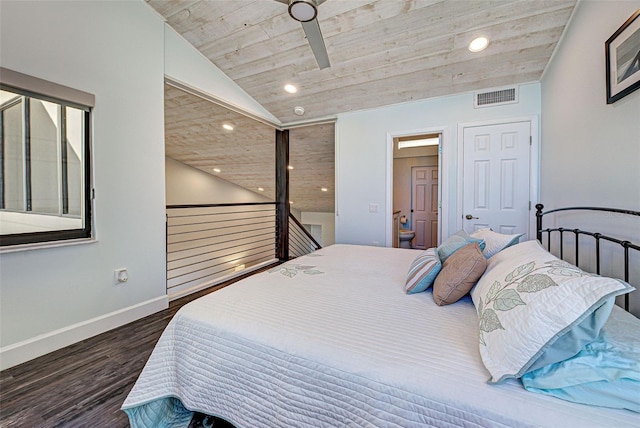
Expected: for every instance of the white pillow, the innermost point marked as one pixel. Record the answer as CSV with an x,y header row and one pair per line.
x,y
528,300
494,241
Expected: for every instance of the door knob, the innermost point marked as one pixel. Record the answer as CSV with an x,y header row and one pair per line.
x,y
470,217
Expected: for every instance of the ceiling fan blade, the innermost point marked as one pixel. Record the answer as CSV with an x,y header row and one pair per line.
x,y
314,36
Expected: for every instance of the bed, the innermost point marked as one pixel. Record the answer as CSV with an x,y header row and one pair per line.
x,y
335,339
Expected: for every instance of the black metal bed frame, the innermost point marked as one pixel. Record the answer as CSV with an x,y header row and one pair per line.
x,y
626,245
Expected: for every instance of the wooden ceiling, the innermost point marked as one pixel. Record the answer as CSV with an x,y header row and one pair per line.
x,y
381,51
246,155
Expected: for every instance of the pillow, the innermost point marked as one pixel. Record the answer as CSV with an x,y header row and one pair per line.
x,y
529,301
455,242
495,242
423,271
459,274
606,372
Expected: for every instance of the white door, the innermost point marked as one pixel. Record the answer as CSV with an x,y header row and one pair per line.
x,y
496,178
424,206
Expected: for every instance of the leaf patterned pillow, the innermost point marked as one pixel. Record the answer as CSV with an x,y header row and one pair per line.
x,y
529,300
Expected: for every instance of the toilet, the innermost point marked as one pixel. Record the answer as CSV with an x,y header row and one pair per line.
x,y
406,236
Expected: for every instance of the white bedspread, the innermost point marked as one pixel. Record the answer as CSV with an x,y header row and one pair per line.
x,y
332,340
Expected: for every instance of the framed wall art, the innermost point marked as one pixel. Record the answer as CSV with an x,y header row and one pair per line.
x,y
623,59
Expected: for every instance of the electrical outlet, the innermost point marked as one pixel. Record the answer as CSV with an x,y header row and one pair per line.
x,y
373,208
121,275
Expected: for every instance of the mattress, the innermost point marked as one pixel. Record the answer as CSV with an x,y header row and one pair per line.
x,y
332,340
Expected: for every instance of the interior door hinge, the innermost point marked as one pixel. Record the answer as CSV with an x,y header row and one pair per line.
x,y
530,140
529,205
93,194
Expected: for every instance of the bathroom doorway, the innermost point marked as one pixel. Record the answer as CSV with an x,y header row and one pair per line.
x,y
415,190
424,206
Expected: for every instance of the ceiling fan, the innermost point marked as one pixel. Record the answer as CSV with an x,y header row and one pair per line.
x,y
306,11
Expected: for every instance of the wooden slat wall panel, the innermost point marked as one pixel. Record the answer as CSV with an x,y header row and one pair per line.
x,y
209,243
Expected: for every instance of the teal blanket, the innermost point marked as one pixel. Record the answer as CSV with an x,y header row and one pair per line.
x,y
605,373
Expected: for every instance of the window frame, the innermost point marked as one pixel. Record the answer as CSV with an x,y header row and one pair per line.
x,y
55,236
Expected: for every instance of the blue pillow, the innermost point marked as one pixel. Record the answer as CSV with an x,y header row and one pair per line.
x,y
455,242
576,338
606,372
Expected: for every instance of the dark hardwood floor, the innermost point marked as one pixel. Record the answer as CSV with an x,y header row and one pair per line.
x,y
84,385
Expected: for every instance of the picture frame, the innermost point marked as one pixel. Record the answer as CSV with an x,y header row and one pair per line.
x,y
622,52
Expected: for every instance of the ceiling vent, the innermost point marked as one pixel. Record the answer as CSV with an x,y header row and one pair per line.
x,y
495,97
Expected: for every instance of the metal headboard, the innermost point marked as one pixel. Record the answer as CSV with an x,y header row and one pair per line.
x,y
626,245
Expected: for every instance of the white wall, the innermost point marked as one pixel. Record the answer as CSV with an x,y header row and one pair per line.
x,y
188,185
361,153
184,64
590,152
326,221
55,296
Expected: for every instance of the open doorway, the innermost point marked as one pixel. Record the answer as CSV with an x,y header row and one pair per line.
x,y
415,190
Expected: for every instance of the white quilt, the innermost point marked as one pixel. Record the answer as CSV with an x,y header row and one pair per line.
x,y
332,340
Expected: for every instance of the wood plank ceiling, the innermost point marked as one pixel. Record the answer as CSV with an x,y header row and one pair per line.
x,y
246,155
381,51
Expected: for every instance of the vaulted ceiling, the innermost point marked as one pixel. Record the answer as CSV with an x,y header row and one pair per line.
x,y
381,51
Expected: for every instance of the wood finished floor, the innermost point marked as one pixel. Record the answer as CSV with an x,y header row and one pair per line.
x,y
84,385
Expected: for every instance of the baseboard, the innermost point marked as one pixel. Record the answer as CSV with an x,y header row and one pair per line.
x,y
27,350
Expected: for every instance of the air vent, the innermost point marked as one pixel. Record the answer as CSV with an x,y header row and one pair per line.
x,y
495,97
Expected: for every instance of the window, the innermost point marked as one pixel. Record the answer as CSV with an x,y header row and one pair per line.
x,y
45,188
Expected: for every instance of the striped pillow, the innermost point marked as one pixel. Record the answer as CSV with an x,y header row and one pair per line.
x,y
423,271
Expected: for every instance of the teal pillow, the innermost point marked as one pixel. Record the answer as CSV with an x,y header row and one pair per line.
x,y
455,242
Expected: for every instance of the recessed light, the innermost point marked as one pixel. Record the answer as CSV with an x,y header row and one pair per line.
x,y
290,88
289,167
478,44
216,170
324,189
228,126
261,189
